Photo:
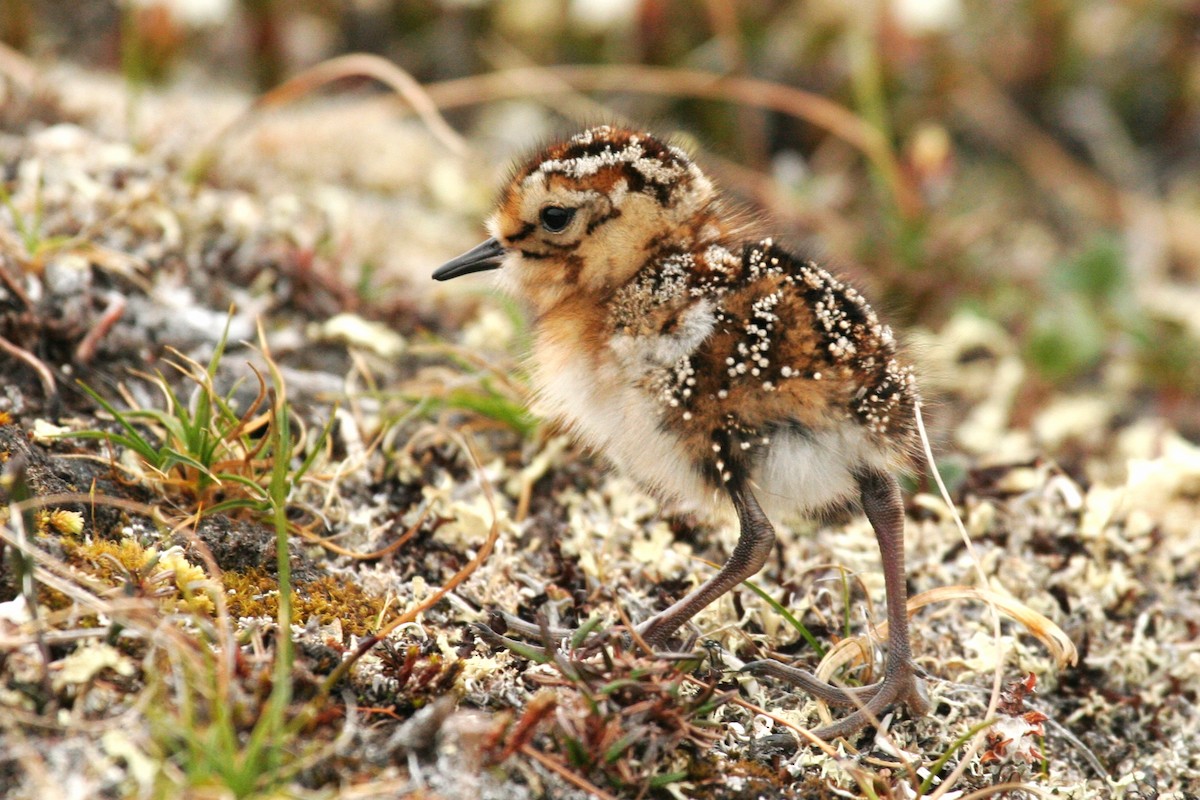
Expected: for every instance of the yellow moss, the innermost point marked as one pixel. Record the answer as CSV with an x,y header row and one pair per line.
x,y
105,560
67,522
116,563
189,579
247,592
255,593
332,597
5,419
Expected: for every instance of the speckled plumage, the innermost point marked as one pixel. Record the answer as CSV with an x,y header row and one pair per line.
x,y
718,370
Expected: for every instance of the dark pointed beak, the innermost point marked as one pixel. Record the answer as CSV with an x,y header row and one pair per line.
x,y
484,256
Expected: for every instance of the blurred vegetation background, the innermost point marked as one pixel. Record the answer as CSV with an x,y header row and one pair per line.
x,y
1037,174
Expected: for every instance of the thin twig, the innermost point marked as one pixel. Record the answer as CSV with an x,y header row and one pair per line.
x,y
16,66
23,524
10,282
411,615
803,733
348,66
978,739
723,19
578,781
999,789
991,114
354,555
85,351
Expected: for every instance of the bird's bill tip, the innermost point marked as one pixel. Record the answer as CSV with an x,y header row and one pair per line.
x,y
483,256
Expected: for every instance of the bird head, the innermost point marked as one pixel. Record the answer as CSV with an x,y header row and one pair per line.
x,y
583,216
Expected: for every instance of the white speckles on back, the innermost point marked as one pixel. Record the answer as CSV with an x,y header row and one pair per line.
x,y
720,258
641,353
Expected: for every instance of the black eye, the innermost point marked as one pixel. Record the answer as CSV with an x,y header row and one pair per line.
x,y
556,218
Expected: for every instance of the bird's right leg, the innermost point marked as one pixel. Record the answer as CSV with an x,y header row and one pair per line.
x,y
882,503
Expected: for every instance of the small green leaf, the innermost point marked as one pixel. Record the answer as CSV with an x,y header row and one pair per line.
x,y
584,630
1066,340
788,616
1097,273
618,747
659,781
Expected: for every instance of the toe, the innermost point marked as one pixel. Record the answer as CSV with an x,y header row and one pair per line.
x,y
805,680
915,698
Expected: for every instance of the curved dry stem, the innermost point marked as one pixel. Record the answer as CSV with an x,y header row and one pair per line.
x,y
803,733
850,651
18,67
1000,790
994,699
355,555
812,108
348,66
987,111
85,351
88,498
440,349
49,385
560,769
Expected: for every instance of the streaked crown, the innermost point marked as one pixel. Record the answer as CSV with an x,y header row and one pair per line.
x,y
585,214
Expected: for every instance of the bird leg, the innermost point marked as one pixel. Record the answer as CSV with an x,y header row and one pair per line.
x,y
884,508
752,550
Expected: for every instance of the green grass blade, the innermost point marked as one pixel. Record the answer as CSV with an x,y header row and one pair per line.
x,y
788,616
136,441
317,445
584,630
618,747
658,781
937,766
172,457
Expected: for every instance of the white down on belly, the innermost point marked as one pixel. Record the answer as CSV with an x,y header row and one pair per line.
x,y
621,422
802,474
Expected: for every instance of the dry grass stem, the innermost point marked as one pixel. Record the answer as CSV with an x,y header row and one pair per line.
x,y
815,109
564,772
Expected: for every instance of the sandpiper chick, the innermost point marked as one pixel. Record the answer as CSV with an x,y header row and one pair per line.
x,y
712,368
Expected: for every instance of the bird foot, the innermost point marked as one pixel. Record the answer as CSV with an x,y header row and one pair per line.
x,y
854,696
538,640
900,685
